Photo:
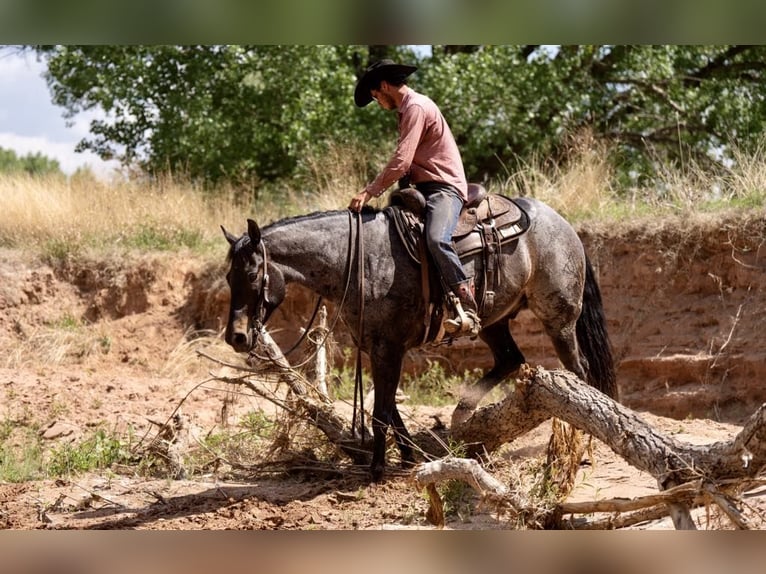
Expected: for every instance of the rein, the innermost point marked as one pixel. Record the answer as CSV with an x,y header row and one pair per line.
x,y
258,323
358,383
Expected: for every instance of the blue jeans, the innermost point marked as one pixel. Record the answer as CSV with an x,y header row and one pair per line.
x,y
443,205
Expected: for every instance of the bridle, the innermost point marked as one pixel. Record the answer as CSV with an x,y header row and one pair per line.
x,y
263,297
258,317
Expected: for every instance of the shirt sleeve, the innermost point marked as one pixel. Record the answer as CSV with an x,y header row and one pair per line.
x,y
411,125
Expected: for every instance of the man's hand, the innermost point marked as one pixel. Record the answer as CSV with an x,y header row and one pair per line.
x,y
358,201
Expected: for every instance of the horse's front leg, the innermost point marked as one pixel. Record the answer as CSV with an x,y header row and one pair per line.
x,y
386,365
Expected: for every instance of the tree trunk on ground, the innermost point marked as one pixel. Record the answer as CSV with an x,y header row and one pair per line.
x,y
541,394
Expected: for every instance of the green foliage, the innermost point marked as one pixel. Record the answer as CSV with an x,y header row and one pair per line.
x,y
34,164
152,237
97,452
21,453
257,423
654,104
252,114
236,113
20,464
434,386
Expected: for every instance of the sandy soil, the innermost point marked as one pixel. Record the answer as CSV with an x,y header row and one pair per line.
x,y
124,365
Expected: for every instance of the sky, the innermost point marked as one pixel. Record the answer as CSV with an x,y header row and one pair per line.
x,y
30,123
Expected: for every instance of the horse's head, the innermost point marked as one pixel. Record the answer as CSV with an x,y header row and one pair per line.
x,y
256,286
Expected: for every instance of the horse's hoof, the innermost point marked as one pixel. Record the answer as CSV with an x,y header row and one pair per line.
x,y
376,473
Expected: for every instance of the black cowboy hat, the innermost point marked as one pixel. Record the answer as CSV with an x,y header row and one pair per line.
x,y
377,72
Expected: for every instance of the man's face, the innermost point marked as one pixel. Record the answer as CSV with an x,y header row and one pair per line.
x,y
382,96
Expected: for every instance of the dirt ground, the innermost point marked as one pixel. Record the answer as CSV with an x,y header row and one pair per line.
x,y
125,364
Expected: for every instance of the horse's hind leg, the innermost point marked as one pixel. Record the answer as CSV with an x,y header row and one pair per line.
x,y
508,358
565,343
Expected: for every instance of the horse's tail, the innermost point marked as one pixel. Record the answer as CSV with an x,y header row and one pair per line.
x,y
593,339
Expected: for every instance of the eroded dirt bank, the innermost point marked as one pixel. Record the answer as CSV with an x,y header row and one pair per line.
x,y
100,342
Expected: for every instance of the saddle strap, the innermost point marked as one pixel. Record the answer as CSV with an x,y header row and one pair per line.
x,y
425,288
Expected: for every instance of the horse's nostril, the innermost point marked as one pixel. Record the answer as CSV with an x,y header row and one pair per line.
x,y
240,339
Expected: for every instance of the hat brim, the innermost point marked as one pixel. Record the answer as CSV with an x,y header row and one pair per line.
x,y
362,95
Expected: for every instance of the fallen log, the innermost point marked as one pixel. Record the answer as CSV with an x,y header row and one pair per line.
x,y
540,394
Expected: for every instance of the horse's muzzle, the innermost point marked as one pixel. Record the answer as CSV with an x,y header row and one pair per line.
x,y
238,333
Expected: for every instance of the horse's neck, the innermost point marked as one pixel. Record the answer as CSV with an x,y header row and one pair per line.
x,y
312,250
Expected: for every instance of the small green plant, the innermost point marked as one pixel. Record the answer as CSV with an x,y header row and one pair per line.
x,y
156,238
21,452
344,376
457,498
22,462
67,322
57,250
97,452
257,423
434,386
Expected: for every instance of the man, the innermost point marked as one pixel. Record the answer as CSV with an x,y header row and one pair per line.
x,y
427,154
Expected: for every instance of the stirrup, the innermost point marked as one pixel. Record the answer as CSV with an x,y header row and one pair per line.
x,y
467,321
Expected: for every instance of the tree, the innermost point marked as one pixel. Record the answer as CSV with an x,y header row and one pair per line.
x,y
252,113
237,113
654,104
35,164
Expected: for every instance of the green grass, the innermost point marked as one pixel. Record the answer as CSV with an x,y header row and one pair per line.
x,y
435,386
146,237
97,452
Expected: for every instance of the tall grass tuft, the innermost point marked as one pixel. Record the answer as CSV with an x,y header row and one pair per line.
x,y
331,175
60,216
581,187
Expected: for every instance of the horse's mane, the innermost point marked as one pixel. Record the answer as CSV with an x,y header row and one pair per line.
x,y
316,215
244,246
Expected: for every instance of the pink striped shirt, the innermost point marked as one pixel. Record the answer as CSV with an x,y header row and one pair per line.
x,y
426,148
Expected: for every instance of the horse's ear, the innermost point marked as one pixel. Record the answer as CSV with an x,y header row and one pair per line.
x,y
229,237
253,231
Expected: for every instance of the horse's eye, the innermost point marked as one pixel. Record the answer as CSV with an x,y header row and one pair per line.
x,y
252,277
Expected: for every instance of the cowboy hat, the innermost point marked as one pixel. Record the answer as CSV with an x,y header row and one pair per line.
x,y
377,72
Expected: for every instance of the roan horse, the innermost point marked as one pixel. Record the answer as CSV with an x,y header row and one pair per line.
x,y
544,270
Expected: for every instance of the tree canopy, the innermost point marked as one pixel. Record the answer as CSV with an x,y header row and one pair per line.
x,y
251,113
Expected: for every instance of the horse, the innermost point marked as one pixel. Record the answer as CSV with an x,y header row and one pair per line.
x,y
545,270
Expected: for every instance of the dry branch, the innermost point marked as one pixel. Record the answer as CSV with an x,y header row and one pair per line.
x,y
541,394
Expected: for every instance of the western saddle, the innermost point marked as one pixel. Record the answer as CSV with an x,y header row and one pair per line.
x,y
487,221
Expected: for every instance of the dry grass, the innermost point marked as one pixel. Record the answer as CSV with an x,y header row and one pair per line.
x,y
582,188
63,215
585,186
86,212
57,345
332,178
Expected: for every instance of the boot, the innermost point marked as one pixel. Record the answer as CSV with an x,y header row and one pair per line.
x,y
464,302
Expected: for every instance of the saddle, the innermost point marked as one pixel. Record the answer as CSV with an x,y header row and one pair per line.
x,y
486,222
